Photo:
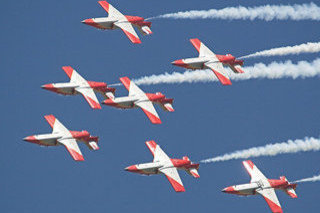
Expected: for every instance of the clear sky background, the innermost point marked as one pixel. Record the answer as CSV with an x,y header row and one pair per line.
x,y
39,37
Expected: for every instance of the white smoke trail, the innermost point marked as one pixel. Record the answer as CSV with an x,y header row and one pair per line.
x,y
289,50
274,70
267,13
308,144
312,179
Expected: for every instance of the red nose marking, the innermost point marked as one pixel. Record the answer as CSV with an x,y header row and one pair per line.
x,y
228,189
31,139
49,87
109,102
180,63
132,168
91,22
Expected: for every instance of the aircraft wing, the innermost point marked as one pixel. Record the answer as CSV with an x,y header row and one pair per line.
x,y
219,71
127,28
271,198
149,110
74,76
90,96
57,127
113,12
254,172
158,153
174,178
202,49
73,148
131,87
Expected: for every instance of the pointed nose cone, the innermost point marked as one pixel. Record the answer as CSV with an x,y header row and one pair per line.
x,y
132,168
228,189
109,102
31,139
91,22
49,87
179,63
87,21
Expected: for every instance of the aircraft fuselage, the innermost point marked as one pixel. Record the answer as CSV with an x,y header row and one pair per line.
x,y
251,188
199,62
154,167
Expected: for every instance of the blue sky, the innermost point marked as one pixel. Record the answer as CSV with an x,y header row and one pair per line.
x,y
39,37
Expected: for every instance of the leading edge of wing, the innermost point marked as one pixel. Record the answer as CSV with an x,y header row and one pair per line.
x,y
152,145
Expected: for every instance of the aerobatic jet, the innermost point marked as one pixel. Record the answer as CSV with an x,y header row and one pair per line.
x,y
62,136
259,184
138,98
207,59
78,85
117,20
162,164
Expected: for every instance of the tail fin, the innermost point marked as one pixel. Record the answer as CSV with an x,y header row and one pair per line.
x,y
193,169
290,190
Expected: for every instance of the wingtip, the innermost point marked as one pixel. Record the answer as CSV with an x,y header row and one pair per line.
x,y
68,70
50,119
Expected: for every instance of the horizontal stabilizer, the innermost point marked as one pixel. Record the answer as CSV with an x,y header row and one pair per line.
x,y
291,191
145,30
110,95
92,145
193,172
236,69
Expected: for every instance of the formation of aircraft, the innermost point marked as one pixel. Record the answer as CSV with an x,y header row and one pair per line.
x,y
62,136
263,186
117,20
208,60
162,164
138,98
78,85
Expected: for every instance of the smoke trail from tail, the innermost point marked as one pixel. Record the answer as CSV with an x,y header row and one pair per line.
x,y
291,146
312,179
267,13
274,70
289,50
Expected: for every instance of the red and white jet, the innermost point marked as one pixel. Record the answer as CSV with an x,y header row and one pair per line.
x,y
207,59
117,20
259,184
138,98
78,85
162,164
62,136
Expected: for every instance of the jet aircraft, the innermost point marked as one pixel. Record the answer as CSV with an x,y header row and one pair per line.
x,y
263,186
138,98
117,20
62,136
162,164
78,85
208,60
